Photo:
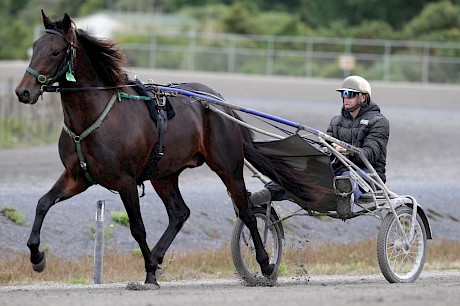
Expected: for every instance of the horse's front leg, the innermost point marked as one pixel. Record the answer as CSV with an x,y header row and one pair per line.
x,y
64,188
130,198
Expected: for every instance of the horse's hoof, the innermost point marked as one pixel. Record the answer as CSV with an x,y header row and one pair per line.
x,y
271,280
139,286
41,265
269,270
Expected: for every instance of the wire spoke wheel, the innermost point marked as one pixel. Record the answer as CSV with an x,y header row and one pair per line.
x,y
244,253
401,258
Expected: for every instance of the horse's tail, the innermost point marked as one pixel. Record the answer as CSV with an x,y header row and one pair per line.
x,y
297,183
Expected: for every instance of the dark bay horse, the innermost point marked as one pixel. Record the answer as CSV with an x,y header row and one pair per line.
x,y
116,153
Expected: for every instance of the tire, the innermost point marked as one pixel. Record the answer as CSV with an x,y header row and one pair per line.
x,y
244,255
400,263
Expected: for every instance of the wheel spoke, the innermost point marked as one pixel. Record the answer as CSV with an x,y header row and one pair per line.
x,y
401,257
244,255
401,260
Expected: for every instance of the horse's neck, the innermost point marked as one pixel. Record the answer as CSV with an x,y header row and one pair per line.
x,y
82,108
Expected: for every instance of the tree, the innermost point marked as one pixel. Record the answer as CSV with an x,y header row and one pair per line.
x,y
239,19
439,18
353,12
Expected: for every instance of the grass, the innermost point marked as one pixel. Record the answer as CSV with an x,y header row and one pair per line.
x,y
312,259
120,217
14,215
19,132
107,233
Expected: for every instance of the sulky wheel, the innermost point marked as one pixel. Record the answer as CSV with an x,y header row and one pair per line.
x,y
243,252
401,262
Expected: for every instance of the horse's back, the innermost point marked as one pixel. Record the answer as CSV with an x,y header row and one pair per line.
x,y
194,86
197,134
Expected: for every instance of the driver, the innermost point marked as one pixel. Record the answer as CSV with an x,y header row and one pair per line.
x,y
360,124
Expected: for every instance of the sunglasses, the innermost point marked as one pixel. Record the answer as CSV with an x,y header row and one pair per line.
x,y
349,94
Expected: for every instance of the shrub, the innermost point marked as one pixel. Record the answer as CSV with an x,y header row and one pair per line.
x,y
13,215
120,217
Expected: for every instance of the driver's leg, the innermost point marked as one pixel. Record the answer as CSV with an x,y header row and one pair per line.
x,y
270,192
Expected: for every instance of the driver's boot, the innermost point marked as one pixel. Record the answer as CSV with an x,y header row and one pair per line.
x,y
260,197
344,195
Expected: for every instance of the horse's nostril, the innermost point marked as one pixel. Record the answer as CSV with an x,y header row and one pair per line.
x,y
23,95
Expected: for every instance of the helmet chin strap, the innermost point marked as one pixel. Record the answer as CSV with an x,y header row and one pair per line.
x,y
359,104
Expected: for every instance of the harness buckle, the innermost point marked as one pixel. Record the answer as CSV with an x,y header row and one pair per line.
x,y
162,101
42,79
83,165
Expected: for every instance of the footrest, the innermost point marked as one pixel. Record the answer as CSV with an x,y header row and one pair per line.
x,y
368,195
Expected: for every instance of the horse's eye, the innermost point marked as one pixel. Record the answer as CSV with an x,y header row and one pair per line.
x,y
55,53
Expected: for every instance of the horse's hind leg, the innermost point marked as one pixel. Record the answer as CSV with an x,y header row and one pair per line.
x,y
178,212
64,188
232,176
240,198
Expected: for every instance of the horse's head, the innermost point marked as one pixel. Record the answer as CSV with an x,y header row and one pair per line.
x,y
53,55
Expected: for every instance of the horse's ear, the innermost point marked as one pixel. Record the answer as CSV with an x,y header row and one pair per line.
x,y
48,23
66,23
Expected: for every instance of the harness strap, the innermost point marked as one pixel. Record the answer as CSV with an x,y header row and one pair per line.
x,y
78,138
122,95
162,124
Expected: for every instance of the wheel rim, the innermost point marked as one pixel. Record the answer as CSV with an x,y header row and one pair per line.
x,y
247,249
404,260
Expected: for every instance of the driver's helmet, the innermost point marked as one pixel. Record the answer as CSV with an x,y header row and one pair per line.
x,y
357,84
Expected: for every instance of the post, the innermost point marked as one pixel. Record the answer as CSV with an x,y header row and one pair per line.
x,y
99,242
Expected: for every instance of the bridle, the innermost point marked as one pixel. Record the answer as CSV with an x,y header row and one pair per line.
x,y
66,66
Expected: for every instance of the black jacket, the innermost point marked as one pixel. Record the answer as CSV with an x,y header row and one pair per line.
x,y
370,131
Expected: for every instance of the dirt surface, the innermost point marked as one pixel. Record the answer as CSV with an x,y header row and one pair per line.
x,y
432,288
423,161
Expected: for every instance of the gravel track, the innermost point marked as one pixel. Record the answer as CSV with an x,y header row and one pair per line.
x,y
423,162
432,288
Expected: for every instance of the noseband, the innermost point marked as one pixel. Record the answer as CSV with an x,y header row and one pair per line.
x,y
66,66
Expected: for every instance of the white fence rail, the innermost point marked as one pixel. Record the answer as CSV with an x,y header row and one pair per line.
x,y
388,60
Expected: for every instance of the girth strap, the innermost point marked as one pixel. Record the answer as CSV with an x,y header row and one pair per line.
x,y
159,98
78,138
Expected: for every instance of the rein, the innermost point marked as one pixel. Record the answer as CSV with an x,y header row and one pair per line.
x,y
58,89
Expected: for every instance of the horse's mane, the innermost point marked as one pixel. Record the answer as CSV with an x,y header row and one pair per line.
x,y
105,57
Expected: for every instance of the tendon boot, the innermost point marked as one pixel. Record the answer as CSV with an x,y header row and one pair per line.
x,y
260,197
343,189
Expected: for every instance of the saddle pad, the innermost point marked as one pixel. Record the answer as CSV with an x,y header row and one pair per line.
x,y
151,105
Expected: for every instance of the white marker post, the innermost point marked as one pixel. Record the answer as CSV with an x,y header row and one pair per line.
x,y
99,242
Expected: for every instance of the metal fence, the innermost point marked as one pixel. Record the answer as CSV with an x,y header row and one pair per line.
x,y
388,60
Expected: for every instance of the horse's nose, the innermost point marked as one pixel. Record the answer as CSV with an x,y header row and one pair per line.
x,y
23,95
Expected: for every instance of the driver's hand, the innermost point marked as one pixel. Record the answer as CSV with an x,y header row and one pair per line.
x,y
340,149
